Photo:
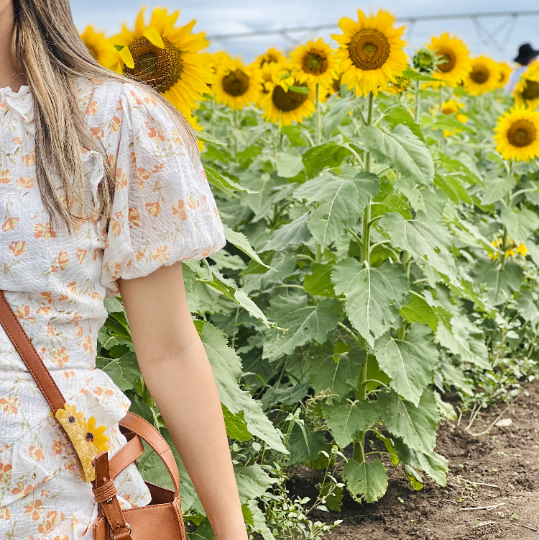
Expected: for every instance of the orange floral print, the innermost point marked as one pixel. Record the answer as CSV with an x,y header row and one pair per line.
x,y
162,211
26,182
10,405
34,509
10,224
5,176
17,248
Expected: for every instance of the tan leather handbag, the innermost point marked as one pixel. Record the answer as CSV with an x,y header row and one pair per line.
x,y
162,519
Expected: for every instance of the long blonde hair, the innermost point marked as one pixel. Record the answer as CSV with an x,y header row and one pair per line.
x,y
51,55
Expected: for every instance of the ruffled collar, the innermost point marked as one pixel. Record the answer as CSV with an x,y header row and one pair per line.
x,y
21,102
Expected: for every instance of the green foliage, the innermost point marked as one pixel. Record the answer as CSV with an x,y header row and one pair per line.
x,y
364,279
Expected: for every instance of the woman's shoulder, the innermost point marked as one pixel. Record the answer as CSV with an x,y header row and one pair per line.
x,y
101,98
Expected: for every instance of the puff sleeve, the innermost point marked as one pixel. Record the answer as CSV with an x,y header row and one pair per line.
x,y
163,209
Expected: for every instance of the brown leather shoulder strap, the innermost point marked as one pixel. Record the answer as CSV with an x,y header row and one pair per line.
x,y
29,355
145,430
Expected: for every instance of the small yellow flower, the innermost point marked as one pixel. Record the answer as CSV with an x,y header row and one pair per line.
x,y
510,253
88,440
521,249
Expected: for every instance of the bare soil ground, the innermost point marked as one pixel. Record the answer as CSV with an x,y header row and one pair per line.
x,y
498,470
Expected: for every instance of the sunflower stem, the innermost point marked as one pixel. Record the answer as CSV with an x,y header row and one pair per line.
x,y
417,104
365,239
504,241
318,117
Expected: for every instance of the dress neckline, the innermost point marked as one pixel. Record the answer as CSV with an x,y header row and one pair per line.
x,y
23,90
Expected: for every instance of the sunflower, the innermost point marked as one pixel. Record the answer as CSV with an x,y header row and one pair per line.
x,y
505,71
483,77
237,85
284,104
314,63
527,89
88,439
371,52
100,48
517,134
456,59
452,107
218,58
167,58
399,86
271,56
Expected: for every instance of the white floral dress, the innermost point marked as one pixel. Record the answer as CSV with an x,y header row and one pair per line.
x,y
163,211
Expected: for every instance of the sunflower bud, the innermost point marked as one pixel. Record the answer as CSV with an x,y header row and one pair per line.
x,y
424,61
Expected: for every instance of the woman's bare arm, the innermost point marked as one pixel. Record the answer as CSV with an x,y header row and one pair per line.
x,y
178,374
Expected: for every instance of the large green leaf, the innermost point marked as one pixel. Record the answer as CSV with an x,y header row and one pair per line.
x,y
329,155
346,420
418,310
399,114
365,481
218,180
425,240
327,369
434,465
226,367
124,371
415,425
459,335
337,211
520,223
303,322
236,426
402,150
453,188
289,164
457,166
500,282
252,482
304,445
259,521
318,282
373,295
241,242
497,188
289,235
338,113
410,362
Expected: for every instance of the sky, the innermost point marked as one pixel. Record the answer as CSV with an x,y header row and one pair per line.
x,y
217,17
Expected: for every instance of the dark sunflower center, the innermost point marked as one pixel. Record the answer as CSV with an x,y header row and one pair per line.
x,y
288,101
448,60
315,63
269,59
337,84
503,77
522,133
369,49
71,419
480,74
236,83
89,437
531,91
160,68
449,109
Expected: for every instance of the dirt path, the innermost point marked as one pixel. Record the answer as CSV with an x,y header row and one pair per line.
x,y
506,458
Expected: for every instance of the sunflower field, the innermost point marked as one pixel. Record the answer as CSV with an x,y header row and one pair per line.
x,y
381,212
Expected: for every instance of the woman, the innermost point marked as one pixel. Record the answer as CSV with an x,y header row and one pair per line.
x,y
94,171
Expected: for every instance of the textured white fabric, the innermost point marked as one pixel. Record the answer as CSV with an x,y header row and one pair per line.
x,y
163,212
